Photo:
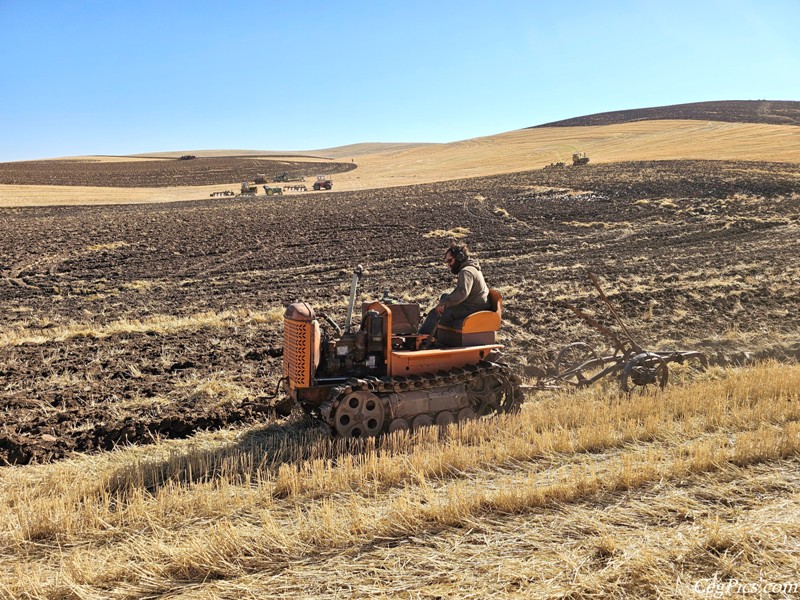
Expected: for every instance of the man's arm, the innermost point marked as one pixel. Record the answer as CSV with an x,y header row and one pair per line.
x,y
460,293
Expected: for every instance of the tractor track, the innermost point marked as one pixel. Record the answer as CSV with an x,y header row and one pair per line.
x,y
391,391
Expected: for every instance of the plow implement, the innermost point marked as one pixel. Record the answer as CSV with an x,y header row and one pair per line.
x,y
579,365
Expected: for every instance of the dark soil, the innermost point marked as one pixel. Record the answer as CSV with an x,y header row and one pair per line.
x,y
164,172
687,252
772,112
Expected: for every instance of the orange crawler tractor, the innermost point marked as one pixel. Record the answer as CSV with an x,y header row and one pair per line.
x,y
383,376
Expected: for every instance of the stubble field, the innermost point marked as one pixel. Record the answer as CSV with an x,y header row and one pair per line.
x,y
135,324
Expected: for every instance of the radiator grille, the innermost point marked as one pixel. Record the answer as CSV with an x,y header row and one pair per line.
x,y
297,352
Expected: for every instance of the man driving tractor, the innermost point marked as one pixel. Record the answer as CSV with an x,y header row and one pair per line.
x,y
470,295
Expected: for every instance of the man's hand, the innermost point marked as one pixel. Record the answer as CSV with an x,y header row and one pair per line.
x,y
439,309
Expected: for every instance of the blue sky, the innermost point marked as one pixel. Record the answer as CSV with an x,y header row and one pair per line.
x,y
115,77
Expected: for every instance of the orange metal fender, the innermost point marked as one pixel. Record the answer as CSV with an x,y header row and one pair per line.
x,y
406,362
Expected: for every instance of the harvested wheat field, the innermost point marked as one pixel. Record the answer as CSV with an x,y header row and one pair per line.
x,y
595,494
141,344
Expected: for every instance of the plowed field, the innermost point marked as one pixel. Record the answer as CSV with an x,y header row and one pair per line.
x,y
158,172
121,324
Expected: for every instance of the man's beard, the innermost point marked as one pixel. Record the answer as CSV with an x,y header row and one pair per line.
x,y
455,268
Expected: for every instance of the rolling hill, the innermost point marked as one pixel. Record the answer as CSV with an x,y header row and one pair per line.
x,y
770,112
762,131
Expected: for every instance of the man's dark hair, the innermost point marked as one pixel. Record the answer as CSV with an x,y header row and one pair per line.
x,y
458,251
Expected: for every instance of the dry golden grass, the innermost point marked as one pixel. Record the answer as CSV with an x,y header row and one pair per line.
x,y
51,195
32,334
340,152
589,494
108,246
528,149
599,225
381,166
455,233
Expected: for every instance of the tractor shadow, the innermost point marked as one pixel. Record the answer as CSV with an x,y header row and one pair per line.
x,y
257,454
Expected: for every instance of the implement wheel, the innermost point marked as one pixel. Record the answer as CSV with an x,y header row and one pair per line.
x,y
573,361
644,369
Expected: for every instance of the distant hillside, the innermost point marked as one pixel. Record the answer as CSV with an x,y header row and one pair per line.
x,y
338,152
769,112
351,150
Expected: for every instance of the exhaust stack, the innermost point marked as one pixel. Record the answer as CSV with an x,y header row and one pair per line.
x,y
353,287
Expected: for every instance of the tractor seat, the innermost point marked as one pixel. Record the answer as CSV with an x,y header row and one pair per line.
x,y
476,329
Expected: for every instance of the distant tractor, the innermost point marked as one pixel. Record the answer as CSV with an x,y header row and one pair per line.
x,y
188,157
323,182
273,191
579,158
248,189
260,178
285,178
